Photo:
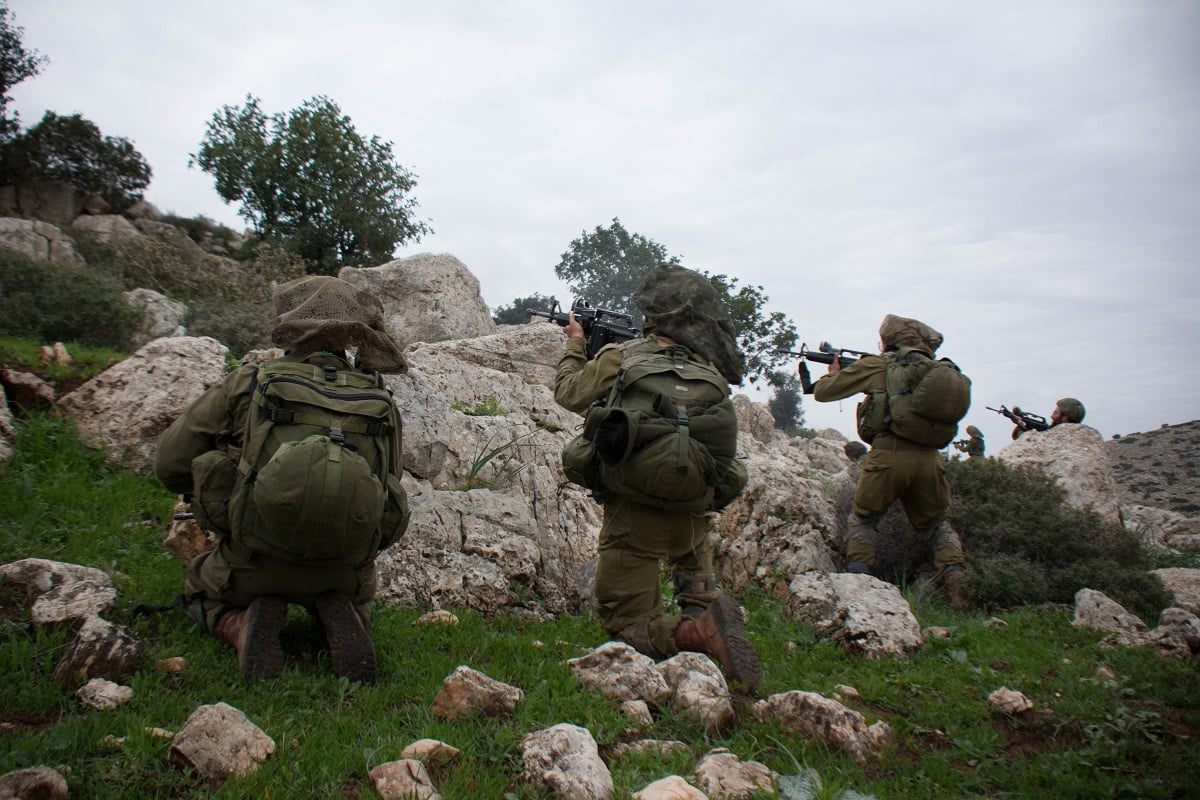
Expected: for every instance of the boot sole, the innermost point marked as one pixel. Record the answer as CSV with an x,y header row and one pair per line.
x,y
743,661
350,646
261,653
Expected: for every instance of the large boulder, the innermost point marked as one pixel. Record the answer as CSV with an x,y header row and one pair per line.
x,y
40,241
104,228
426,298
55,202
161,316
126,407
1075,456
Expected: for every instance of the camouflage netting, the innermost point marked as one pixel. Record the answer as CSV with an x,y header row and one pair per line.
x,y
897,332
683,305
1071,409
323,313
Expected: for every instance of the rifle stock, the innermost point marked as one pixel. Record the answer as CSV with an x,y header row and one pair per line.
x,y
601,326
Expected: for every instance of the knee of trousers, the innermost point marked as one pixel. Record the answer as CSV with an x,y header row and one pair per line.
x,y
860,538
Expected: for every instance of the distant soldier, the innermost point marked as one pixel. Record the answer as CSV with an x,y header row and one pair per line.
x,y
1066,410
975,445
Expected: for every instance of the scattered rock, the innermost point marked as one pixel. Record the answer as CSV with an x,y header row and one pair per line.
x,y
466,692
35,783
827,721
219,741
103,694
406,779
565,760
1009,701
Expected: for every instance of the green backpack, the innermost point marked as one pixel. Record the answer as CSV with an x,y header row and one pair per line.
x,y
666,436
315,482
924,401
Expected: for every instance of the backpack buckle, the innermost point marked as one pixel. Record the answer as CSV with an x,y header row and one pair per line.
x,y
338,436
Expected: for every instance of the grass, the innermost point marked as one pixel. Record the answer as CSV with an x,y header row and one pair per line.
x,y
1089,736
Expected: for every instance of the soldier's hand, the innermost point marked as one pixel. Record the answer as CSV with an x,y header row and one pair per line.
x,y
573,330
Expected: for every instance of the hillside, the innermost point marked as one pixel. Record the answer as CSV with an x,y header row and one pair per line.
x,y
1159,467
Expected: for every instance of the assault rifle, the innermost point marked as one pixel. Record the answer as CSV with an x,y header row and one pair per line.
x,y
961,444
1023,419
824,354
600,325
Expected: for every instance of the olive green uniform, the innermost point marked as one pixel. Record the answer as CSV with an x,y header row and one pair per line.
x,y
232,575
895,468
635,539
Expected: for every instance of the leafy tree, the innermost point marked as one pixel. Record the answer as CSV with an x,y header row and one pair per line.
x,y
785,405
606,266
72,149
16,64
310,180
515,313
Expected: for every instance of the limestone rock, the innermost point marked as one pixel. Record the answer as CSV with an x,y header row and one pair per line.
x,y
427,298
103,694
104,228
37,576
185,538
868,616
467,692
35,783
721,774
698,689
431,752
618,671
1096,610
1009,701
162,316
73,603
126,407
672,787
1075,455
828,721
101,649
565,761
40,241
1183,584
27,391
219,741
406,779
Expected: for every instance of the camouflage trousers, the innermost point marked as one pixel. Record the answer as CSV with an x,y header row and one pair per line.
x,y
634,542
231,576
914,475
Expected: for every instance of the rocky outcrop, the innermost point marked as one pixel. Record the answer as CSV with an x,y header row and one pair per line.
x,y
40,241
1075,455
161,316
427,297
126,407
1159,468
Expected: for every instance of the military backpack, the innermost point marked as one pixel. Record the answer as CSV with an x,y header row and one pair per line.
x,y
924,400
315,483
665,436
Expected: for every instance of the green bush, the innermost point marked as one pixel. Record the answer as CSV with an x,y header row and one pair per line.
x,y
1024,545
59,301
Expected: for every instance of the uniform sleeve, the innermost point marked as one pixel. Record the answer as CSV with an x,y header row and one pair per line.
x,y
578,381
197,431
867,374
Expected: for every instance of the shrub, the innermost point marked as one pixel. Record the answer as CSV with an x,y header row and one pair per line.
x,y
1024,545
53,301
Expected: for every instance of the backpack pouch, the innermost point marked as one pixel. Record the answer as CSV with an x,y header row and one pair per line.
x,y
317,501
214,475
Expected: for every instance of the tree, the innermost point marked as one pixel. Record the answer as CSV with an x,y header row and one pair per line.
x,y
72,150
16,64
310,180
785,405
607,265
515,313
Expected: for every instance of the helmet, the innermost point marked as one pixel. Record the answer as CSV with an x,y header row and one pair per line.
x,y
686,307
973,431
319,312
1071,409
896,332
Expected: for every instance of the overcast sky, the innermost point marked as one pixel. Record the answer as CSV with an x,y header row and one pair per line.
x,y
1022,176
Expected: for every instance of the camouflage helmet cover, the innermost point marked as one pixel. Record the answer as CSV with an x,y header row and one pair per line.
x,y
896,332
686,307
1071,409
973,431
319,312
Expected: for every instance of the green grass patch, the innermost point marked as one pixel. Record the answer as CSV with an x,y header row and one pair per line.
x,y
1133,734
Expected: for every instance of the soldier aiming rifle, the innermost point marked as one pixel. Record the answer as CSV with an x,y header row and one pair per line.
x,y
1024,421
601,326
824,354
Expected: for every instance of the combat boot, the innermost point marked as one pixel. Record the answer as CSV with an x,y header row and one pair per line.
x,y
719,632
953,578
254,633
350,646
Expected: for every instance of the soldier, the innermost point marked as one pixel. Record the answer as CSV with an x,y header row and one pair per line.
x,y
975,444
685,323
240,591
1066,410
896,467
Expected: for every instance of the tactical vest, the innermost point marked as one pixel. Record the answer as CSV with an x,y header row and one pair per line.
x,y
315,483
665,436
923,402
